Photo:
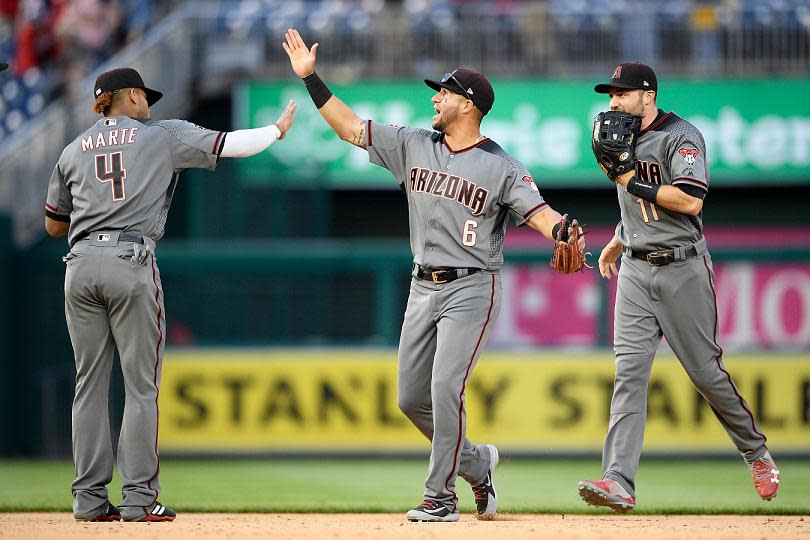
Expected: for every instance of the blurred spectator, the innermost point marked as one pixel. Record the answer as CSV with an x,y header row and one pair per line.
x,y
52,45
705,24
138,15
86,32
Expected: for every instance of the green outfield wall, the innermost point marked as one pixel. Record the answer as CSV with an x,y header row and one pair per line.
x,y
756,131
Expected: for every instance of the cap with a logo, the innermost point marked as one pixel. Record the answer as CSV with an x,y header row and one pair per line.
x,y
470,84
3,66
116,79
630,75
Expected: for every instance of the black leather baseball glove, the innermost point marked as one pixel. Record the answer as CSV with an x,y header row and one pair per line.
x,y
614,141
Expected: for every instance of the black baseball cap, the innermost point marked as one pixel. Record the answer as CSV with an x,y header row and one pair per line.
x,y
470,84
3,66
631,75
116,79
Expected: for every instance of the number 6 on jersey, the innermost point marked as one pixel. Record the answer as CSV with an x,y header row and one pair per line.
x,y
468,237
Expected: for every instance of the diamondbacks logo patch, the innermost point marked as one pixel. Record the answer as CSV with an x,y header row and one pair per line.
x,y
689,155
617,74
529,180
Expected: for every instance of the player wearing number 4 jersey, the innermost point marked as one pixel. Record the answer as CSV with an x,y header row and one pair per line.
x,y
666,284
110,194
461,187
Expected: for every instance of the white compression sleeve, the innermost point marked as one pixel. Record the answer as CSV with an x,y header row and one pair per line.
x,y
248,142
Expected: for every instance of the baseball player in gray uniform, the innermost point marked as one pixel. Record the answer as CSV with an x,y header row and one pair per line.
x,y
666,288
110,193
461,187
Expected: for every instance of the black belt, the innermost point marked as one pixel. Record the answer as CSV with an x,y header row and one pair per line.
x,y
661,257
443,275
123,237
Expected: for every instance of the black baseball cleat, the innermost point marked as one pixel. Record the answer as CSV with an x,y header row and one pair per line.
x,y
486,498
112,513
158,512
431,510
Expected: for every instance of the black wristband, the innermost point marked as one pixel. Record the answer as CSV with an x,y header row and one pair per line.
x,y
554,230
645,190
317,89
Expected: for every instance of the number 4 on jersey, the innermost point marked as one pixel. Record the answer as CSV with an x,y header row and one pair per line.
x,y
112,172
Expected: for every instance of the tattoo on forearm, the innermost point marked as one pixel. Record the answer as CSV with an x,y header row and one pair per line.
x,y
360,138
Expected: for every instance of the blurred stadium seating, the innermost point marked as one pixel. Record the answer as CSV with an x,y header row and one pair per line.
x,y
52,44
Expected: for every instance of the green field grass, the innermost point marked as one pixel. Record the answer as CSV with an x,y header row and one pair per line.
x,y
379,485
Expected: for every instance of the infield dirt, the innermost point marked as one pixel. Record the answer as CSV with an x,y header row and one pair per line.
x,y
42,526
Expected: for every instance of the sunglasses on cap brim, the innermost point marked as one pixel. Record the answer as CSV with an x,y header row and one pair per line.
x,y
451,77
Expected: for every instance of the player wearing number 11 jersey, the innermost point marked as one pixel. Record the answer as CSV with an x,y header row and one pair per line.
x,y
666,288
110,194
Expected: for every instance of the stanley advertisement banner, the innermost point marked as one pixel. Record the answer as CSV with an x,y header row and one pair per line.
x,y
310,402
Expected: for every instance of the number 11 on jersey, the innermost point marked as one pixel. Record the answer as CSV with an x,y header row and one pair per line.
x,y
646,218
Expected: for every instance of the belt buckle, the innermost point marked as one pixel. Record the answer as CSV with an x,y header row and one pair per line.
x,y
436,280
659,258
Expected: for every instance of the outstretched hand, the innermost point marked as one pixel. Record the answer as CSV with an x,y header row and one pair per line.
x,y
302,59
286,119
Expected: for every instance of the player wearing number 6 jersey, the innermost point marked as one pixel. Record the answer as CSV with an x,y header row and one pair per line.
x,y
461,187
666,288
110,194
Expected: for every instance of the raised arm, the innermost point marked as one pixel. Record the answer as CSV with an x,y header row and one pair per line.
x,y
343,121
248,142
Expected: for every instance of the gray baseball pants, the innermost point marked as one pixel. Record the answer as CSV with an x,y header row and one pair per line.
x,y
676,301
445,329
114,303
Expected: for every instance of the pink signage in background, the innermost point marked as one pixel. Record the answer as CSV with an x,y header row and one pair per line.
x,y
759,305
764,305
541,307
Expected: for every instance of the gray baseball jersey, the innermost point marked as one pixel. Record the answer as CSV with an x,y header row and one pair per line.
x,y
114,184
676,300
458,200
669,151
458,204
122,172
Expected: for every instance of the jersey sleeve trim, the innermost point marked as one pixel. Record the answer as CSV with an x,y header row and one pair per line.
x,y
534,210
369,132
218,143
694,191
57,217
51,208
690,181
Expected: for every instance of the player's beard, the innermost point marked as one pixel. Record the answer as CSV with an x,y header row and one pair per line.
x,y
446,117
638,108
